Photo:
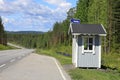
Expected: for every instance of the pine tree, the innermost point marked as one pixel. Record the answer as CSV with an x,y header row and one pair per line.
x,y
82,10
3,36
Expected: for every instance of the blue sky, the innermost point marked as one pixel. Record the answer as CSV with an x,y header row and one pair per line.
x,y
33,15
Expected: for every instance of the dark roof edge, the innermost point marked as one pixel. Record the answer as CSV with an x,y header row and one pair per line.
x,y
70,30
104,29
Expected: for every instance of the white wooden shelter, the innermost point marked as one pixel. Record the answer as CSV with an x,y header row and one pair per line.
x,y
86,44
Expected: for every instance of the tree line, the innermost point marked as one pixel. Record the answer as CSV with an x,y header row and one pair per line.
x,y
106,12
57,37
3,36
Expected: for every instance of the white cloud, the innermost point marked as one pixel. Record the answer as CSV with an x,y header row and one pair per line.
x,y
26,14
60,3
5,20
62,7
1,2
22,2
65,5
55,2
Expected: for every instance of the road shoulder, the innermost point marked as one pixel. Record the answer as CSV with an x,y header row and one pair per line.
x,y
35,67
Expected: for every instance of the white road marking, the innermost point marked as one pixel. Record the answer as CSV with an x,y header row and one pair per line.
x,y
12,60
2,65
64,78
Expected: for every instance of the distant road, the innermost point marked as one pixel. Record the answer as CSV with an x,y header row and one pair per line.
x,y
32,67
15,45
7,57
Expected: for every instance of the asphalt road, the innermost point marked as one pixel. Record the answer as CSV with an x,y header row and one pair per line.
x,y
32,67
23,64
9,57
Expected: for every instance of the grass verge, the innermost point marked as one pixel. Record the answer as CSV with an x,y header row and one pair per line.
x,y
86,74
62,59
111,61
93,74
2,47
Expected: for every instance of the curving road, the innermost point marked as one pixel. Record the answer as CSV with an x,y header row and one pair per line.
x,y
7,57
32,67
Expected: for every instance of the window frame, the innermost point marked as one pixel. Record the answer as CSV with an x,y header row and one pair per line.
x,y
93,44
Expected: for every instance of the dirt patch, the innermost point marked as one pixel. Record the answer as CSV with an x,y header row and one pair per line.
x,y
68,67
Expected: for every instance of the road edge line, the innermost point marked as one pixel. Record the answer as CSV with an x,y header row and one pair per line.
x,y
60,70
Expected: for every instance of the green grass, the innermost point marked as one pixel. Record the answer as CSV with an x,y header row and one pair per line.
x,y
110,61
62,59
66,49
93,74
2,47
112,72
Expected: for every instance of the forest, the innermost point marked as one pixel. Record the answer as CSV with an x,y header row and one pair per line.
x,y
3,35
106,12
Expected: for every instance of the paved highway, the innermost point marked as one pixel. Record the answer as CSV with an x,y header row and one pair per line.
x,y
35,67
32,67
8,57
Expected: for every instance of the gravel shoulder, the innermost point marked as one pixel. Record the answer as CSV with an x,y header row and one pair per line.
x,y
35,67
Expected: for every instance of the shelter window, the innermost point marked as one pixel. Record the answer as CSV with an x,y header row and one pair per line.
x,y
88,44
